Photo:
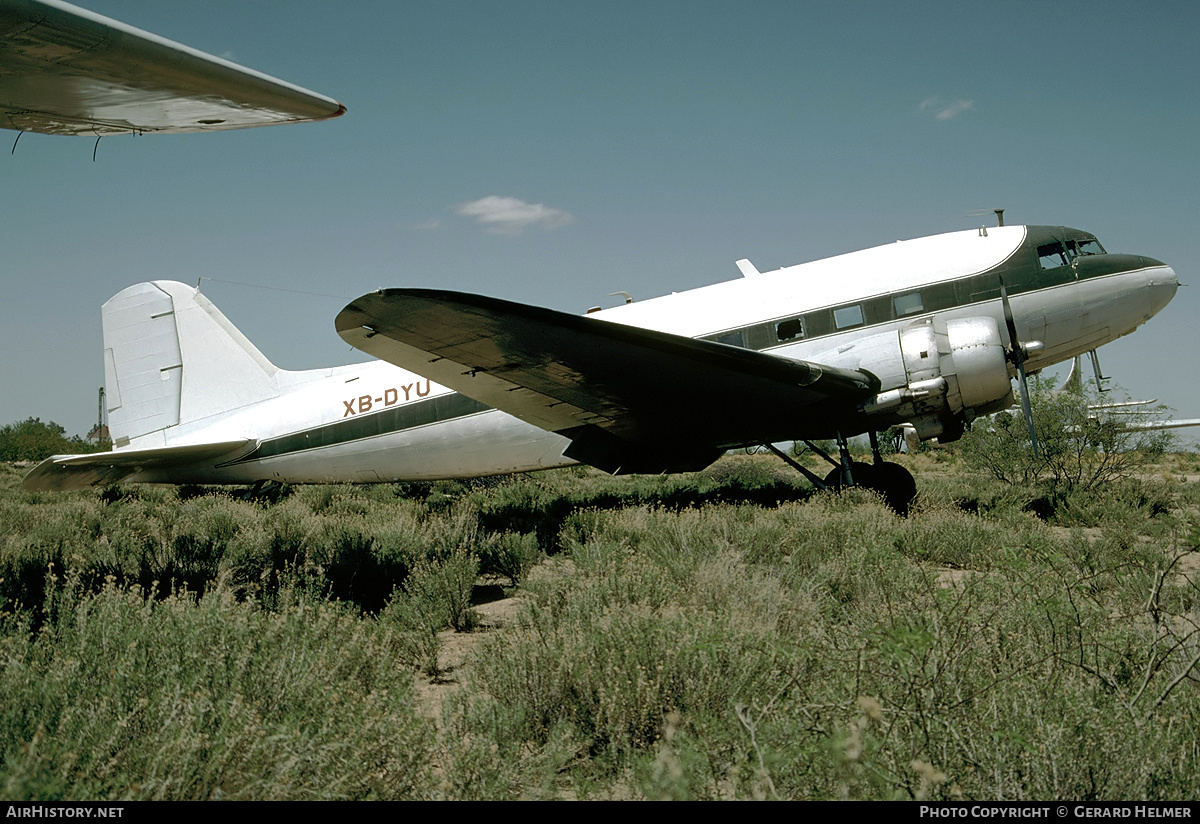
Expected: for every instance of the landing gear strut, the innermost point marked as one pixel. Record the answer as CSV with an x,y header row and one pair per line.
x,y
892,481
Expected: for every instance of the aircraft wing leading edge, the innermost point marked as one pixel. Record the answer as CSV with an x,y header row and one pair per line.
x,y
631,399
69,71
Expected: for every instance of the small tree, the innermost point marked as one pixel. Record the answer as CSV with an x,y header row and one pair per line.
x,y
32,440
1080,445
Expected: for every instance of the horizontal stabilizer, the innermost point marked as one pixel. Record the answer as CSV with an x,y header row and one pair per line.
x,y
62,473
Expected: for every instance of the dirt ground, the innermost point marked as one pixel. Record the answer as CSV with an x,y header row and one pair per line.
x,y
455,653
497,609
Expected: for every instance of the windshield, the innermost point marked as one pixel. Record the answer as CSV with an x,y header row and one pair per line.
x,y
1087,247
1062,252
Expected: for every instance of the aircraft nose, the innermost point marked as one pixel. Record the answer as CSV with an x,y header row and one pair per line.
x,y
1162,285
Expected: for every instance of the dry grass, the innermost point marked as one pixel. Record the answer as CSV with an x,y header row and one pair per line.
x,y
722,635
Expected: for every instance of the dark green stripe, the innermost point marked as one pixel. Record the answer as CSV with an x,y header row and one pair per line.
x,y
357,427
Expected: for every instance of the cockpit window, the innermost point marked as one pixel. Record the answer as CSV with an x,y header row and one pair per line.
x,y
1087,247
1061,253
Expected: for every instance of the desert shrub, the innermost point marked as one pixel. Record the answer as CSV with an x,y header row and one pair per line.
x,y
435,595
1129,502
509,554
417,617
341,559
682,641
613,679
1079,447
485,755
40,537
202,698
442,586
200,537
954,539
657,616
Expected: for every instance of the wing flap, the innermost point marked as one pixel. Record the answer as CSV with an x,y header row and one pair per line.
x,y
61,473
565,372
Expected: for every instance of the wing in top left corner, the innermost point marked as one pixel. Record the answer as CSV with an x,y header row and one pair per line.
x,y
65,70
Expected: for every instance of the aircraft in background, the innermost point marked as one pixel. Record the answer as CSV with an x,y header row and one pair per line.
x,y
1129,415
1132,415
68,71
928,333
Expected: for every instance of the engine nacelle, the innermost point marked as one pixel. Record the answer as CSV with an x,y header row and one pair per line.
x,y
936,376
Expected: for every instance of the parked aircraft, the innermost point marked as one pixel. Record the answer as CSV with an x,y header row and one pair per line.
x,y
928,333
1132,415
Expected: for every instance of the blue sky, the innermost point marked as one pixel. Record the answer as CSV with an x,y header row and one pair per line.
x,y
641,146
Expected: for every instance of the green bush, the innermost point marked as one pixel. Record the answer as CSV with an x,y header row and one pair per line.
x,y
32,440
1079,445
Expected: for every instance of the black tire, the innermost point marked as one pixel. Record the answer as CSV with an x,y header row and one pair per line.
x,y
896,484
863,474
892,481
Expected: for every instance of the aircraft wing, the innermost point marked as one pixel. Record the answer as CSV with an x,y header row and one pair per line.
x,y
61,473
64,70
1142,426
631,399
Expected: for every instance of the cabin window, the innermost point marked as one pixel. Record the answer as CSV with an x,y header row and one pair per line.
x,y
790,329
848,316
1052,255
908,304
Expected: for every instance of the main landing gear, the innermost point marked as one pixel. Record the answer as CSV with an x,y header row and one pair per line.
x,y
892,481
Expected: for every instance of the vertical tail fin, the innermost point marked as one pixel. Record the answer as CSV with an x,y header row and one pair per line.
x,y
171,357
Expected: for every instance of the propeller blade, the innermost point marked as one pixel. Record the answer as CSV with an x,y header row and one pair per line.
x,y
1016,352
1017,355
1027,409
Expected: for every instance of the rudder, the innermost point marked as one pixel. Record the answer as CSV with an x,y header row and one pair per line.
x,y
171,358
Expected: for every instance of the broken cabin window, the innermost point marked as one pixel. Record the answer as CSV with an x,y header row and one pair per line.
x,y
790,329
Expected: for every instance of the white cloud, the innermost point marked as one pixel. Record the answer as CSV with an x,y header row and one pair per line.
x,y
943,110
511,216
